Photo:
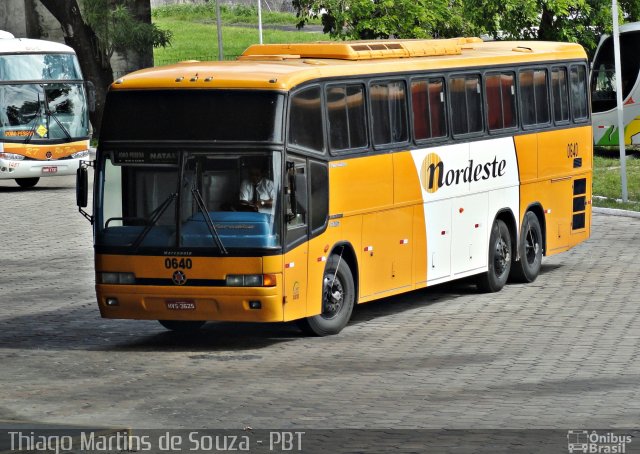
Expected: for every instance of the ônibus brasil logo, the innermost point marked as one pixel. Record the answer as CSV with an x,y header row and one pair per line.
x,y
433,174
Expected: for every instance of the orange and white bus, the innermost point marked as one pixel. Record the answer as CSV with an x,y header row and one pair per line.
x,y
380,167
44,122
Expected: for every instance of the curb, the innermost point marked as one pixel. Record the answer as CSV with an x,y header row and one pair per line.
x,y
616,212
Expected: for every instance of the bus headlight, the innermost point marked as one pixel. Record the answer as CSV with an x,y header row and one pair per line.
x,y
116,278
11,156
251,280
80,154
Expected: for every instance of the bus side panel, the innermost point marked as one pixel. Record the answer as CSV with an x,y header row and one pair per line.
x,y
360,185
341,231
387,252
419,247
527,153
555,198
407,190
295,282
563,156
564,152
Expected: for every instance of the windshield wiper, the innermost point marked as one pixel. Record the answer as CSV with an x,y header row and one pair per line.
x,y
32,131
55,118
207,218
153,218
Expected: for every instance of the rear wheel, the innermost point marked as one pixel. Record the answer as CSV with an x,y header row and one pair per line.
x,y
499,259
27,182
182,326
338,298
528,267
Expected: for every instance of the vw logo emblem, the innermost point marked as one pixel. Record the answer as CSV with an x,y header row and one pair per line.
x,y
179,278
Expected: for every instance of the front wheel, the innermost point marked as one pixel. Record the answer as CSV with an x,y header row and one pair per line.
x,y
182,326
499,259
27,182
528,267
338,298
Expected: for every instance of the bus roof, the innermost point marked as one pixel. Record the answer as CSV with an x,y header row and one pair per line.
x,y
284,66
11,45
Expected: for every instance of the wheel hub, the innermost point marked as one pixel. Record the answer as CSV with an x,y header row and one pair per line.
x,y
532,246
333,296
502,257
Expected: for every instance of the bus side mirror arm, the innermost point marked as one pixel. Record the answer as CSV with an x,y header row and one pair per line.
x,y
82,188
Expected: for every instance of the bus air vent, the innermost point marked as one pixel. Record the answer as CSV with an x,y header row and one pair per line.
x,y
361,50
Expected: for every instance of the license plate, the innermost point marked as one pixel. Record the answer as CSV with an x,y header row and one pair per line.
x,y
181,305
51,169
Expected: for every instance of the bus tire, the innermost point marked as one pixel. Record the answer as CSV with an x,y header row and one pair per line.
x,y
499,259
530,245
182,326
338,299
27,182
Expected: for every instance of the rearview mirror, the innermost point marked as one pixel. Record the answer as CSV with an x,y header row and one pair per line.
x,y
82,187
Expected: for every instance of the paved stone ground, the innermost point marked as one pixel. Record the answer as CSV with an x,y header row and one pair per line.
x,y
559,353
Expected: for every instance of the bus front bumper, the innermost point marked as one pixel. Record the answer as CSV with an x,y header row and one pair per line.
x,y
36,169
238,304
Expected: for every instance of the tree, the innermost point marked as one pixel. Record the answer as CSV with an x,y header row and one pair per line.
x,y
581,21
101,28
371,19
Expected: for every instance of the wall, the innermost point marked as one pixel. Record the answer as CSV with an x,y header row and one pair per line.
x,y
42,25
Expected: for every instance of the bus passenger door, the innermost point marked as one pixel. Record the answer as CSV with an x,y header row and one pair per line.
x,y
296,241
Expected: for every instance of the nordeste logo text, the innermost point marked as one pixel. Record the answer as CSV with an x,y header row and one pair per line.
x,y
433,174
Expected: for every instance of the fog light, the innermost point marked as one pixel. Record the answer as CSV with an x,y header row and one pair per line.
x,y
112,302
255,305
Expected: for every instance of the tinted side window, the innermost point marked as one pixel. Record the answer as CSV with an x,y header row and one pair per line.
x,y
501,105
388,112
466,104
579,93
319,194
347,118
305,120
296,198
560,92
427,98
534,93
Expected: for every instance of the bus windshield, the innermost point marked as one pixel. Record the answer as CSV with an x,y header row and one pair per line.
x,y
194,115
37,112
170,198
39,67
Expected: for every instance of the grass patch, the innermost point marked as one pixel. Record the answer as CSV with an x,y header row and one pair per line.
x,y
198,39
607,183
230,14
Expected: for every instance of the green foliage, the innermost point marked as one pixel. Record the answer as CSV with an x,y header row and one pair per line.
x,y
230,14
117,29
581,21
371,19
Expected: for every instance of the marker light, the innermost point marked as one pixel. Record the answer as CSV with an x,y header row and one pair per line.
x,y
80,154
11,156
251,280
116,278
